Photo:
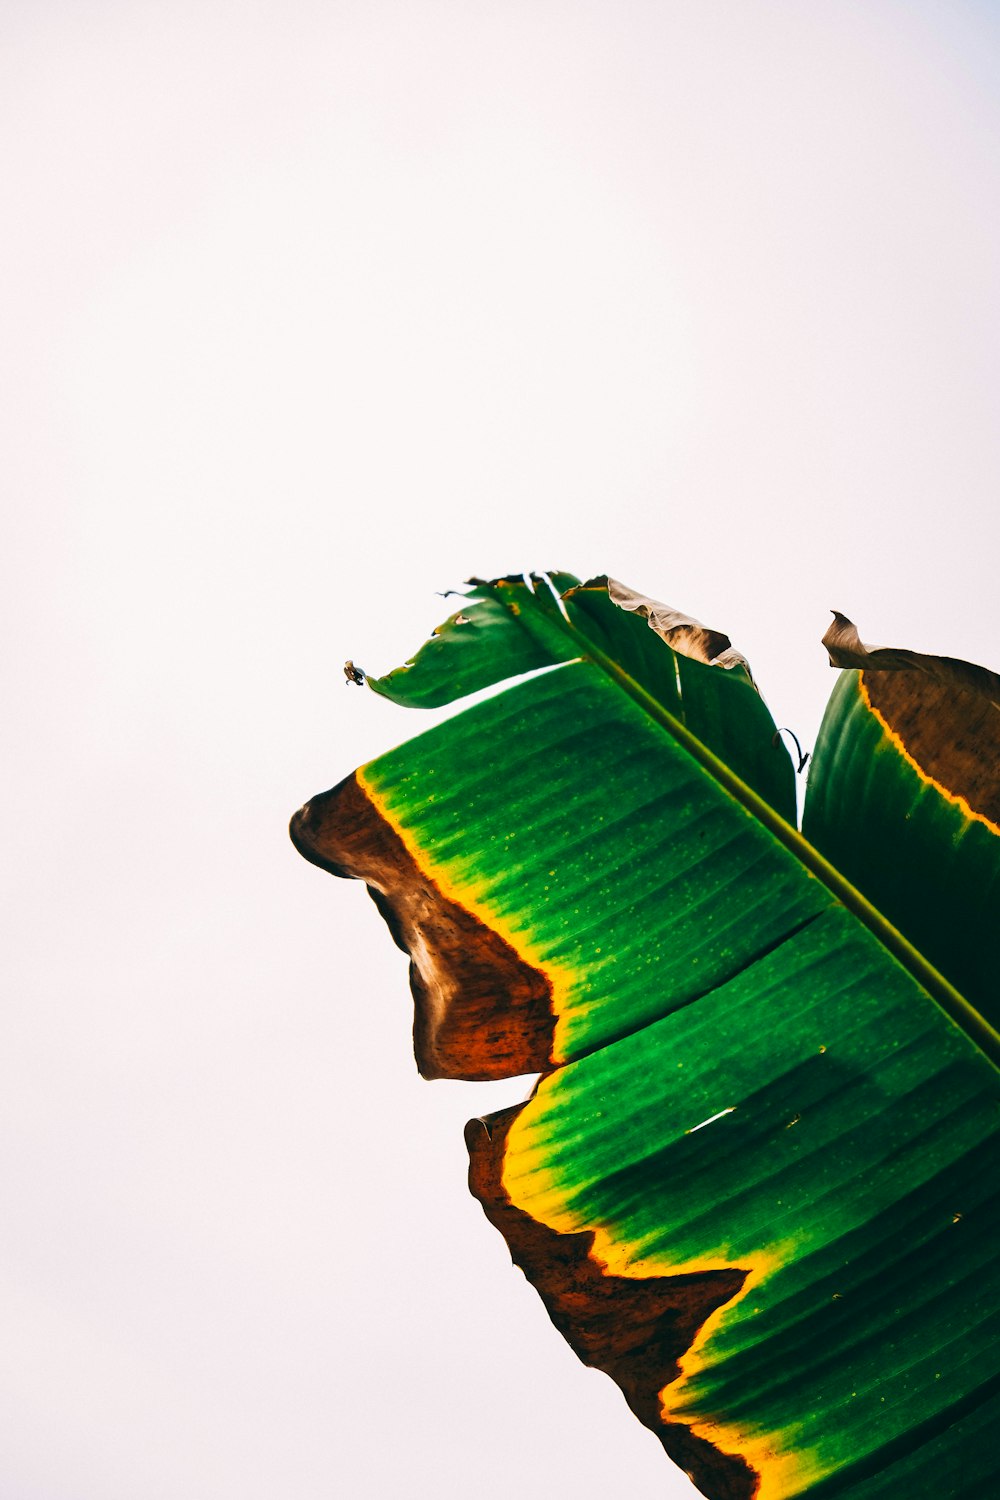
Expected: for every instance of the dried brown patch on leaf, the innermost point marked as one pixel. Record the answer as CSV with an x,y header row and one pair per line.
x,y
846,649
480,1011
634,1329
680,631
945,713
953,736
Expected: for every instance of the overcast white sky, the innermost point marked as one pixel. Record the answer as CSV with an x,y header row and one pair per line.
x,y
307,311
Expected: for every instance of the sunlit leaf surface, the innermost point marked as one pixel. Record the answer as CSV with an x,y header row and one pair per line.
x,y
757,1181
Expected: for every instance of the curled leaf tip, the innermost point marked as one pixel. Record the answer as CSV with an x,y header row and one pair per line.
x,y
845,648
681,631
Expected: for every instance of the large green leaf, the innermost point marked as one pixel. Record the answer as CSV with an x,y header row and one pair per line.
x,y
756,1183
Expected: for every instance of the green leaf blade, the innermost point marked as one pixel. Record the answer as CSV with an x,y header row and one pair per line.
x,y
634,902
915,846
507,629
481,644
828,1125
718,705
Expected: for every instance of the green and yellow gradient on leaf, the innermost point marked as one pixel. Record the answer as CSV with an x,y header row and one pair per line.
x,y
750,1069
579,830
814,1123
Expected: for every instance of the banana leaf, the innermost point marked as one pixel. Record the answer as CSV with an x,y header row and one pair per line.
x,y
756,1182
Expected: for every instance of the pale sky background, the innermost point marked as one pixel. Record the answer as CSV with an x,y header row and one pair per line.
x,y
308,311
